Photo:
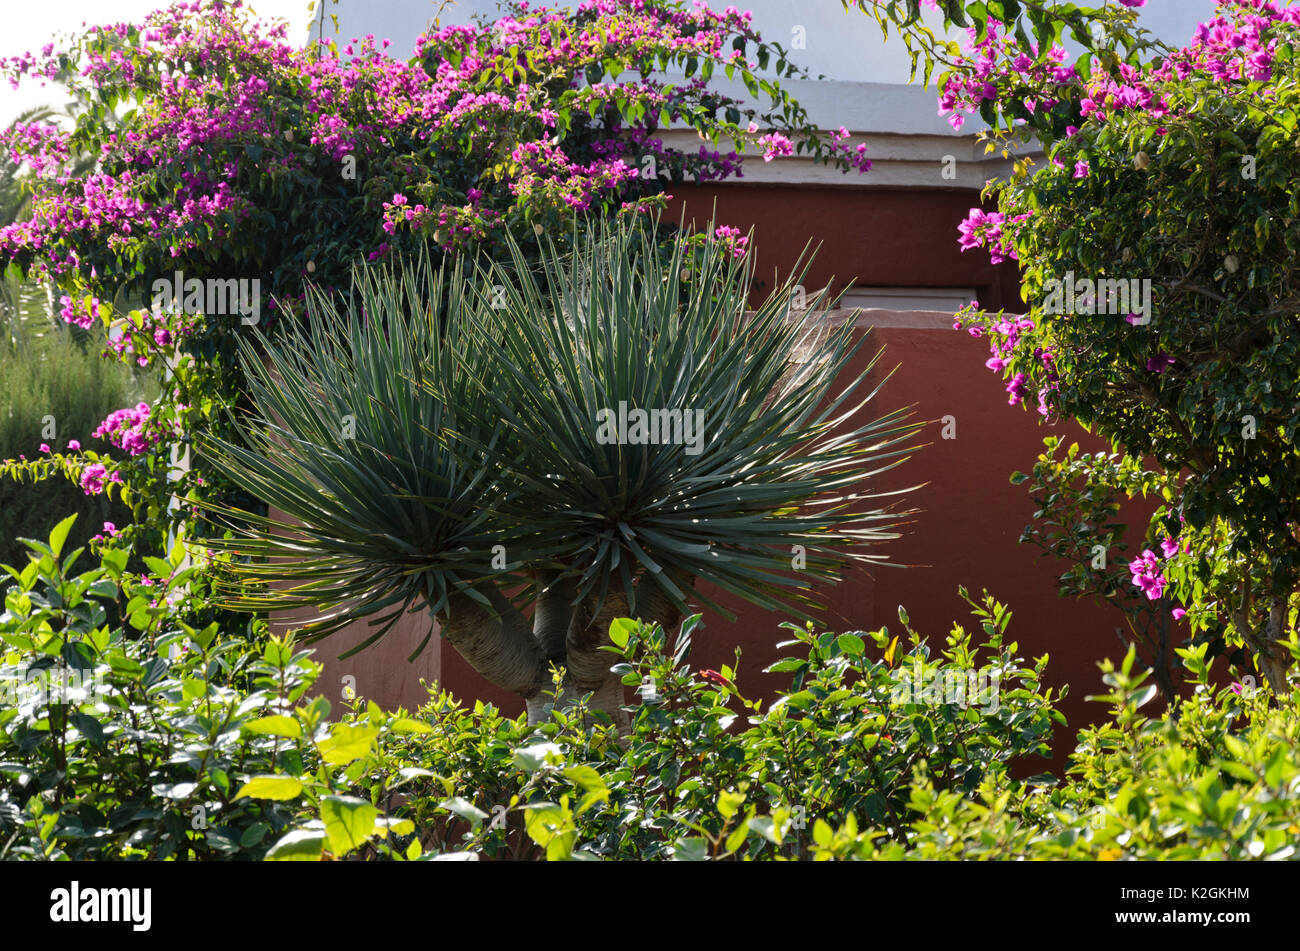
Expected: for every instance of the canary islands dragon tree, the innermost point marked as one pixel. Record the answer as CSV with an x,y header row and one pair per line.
x,y
596,436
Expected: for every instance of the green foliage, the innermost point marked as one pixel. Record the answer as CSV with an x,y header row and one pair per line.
x,y
1213,242
1216,777
132,729
368,405
1034,24
834,770
1079,495
667,326
707,773
1189,203
125,729
158,738
53,375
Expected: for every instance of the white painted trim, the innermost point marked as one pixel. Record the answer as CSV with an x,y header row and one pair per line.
x,y
907,299
921,319
897,161
899,319
861,106
867,320
894,319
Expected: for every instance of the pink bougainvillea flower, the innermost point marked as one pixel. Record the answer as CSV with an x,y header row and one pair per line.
x,y
93,478
774,145
1147,575
132,429
1016,389
730,237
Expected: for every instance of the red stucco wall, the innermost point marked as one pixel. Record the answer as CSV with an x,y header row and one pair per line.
x,y
871,236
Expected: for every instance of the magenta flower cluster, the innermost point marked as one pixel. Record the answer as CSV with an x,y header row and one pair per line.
x,y
1148,575
79,312
998,61
43,146
95,477
732,239
986,229
185,170
129,429
1237,47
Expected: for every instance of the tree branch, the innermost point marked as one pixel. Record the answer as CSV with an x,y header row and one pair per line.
x,y
495,641
553,612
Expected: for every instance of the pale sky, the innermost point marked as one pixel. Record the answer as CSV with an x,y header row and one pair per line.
x,y
30,24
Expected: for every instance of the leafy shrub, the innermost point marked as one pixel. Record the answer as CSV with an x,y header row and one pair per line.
x,y
844,740
1216,777
141,738
158,736
1189,361
180,740
692,778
